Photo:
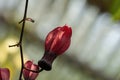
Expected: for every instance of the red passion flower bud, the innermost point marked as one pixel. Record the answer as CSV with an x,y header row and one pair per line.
x,y
56,43
29,75
4,74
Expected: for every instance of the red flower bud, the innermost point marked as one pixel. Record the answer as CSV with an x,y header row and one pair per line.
x,y
58,40
29,75
4,74
56,43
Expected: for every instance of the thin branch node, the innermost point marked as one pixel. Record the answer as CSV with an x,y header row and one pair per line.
x,y
27,19
18,44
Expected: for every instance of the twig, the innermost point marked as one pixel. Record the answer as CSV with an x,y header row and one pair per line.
x,y
27,19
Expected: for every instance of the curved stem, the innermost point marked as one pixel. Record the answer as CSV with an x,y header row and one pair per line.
x,y
34,70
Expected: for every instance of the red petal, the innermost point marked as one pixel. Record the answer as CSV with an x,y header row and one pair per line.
x,y
33,75
28,65
4,74
50,37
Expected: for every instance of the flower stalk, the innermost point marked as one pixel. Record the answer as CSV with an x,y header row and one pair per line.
x,y
21,38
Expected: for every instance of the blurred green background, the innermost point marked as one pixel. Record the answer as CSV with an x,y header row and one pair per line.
x,y
95,48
